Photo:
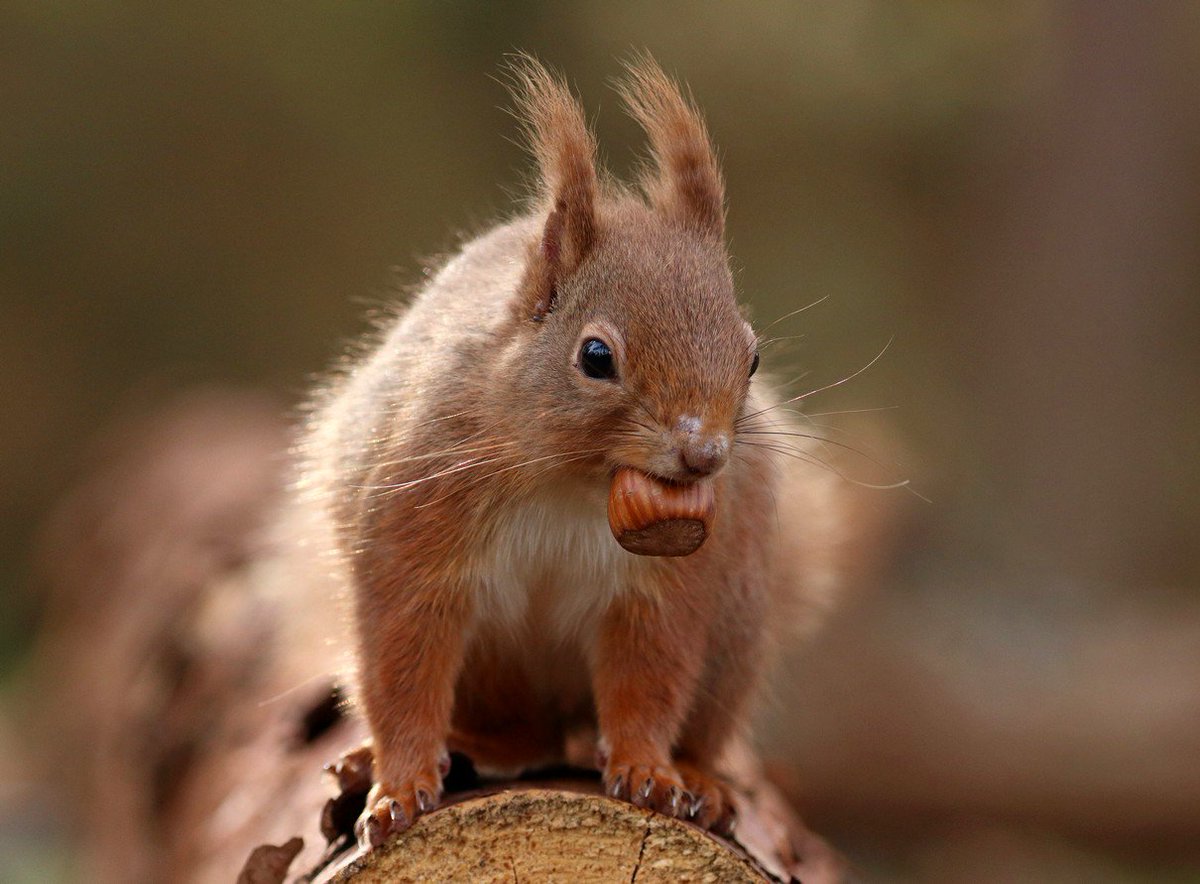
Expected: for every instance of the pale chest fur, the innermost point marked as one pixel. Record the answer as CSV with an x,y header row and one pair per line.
x,y
547,566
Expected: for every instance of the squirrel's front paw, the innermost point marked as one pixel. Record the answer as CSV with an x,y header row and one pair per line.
x,y
392,808
712,803
353,770
656,786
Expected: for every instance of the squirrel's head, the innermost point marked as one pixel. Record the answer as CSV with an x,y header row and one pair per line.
x,y
631,347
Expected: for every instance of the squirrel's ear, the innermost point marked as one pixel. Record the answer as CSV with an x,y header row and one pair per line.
x,y
685,183
558,137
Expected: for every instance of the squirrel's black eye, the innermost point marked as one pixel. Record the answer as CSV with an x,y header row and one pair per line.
x,y
596,360
754,364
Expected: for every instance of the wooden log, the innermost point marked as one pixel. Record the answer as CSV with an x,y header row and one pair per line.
x,y
560,826
550,834
193,709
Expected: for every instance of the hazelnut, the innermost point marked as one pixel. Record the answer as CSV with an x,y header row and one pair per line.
x,y
653,517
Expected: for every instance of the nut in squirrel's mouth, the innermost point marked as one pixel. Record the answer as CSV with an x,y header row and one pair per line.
x,y
650,516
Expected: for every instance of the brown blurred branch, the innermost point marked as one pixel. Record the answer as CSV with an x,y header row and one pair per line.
x,y
196,704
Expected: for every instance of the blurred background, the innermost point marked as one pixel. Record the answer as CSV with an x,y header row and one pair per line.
x,y
195,196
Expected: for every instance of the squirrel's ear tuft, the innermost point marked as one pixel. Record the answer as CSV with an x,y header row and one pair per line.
x,y
685,183
565,150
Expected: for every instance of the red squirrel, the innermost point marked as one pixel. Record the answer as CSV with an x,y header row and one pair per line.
x,y
557,494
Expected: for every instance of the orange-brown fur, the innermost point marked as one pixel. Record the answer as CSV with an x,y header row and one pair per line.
x,y
465,464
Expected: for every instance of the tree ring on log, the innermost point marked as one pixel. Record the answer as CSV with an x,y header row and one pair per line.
x,y
550,834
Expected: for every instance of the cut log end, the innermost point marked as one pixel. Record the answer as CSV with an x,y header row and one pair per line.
x,y
550,835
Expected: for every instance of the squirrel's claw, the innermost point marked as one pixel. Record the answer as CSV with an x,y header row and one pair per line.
x,y
353,770
656,787
712,804
390,811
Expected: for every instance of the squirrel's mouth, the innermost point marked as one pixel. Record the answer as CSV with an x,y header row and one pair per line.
x,y
651,516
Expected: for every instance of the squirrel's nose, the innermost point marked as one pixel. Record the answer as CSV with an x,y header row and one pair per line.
x,y
703,453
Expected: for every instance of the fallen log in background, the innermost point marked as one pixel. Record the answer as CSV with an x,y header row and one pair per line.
x,y
187,718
